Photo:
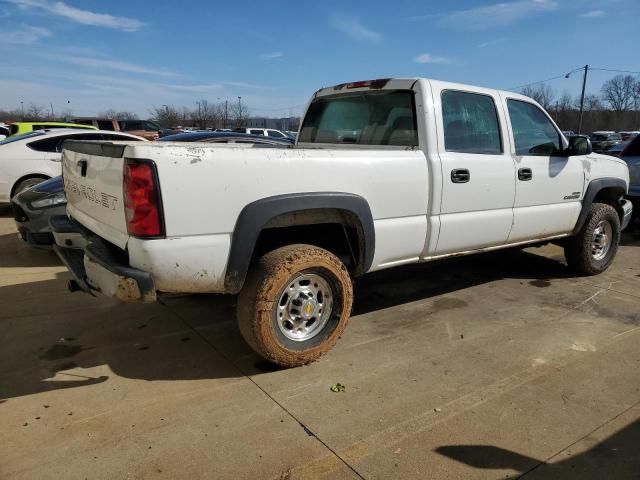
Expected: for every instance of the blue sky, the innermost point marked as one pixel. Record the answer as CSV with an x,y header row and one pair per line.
x,y
91,55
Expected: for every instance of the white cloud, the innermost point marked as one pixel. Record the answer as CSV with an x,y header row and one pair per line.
x,y
84,17
428,58
114,65
490,43
496,15
355,29
272,55
592,14
25,35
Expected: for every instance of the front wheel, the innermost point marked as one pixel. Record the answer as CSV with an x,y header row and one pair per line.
x,y
27,184
592,250
295,304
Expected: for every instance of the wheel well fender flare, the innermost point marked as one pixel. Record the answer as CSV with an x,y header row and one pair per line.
x,y
256,215
595,187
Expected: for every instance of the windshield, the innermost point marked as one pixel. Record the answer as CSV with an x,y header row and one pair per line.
x,y
23,136
365,118
598,138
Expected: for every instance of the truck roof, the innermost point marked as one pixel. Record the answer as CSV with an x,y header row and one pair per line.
x,y
407,83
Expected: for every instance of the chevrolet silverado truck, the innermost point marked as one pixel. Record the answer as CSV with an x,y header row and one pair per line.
x,y
384,173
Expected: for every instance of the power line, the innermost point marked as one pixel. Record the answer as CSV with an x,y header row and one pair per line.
x,y
573,71
564,75
613,70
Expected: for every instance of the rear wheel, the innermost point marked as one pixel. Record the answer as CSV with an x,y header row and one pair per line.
x,y
295,304
592,250
26,184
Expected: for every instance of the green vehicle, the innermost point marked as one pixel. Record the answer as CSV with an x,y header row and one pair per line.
x,y
19,128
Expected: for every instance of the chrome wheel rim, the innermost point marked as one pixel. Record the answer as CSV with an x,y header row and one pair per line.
x,y
304,306
601,240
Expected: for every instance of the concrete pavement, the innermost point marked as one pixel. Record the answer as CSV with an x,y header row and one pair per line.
x,y
492,366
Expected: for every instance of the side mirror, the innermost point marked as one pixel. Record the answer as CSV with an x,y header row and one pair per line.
x,y
579,145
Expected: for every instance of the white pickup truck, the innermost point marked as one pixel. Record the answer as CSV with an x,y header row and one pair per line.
x,y
384,173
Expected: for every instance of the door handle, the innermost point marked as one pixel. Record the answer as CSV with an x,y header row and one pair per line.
x,y
525,174
460,175
82,165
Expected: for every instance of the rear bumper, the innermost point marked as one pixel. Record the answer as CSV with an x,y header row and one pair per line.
x,y
627,209
96,268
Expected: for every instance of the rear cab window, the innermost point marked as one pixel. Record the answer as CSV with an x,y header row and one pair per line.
x,y
382,117
471,123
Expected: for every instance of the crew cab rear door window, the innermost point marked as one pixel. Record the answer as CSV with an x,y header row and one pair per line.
x,y
533,132
470,123
384,117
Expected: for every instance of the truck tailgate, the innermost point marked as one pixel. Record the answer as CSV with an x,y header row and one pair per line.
x,y
93,183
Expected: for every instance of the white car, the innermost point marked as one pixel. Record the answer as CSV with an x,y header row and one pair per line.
x,y
384,173
28,159
267,132
4,131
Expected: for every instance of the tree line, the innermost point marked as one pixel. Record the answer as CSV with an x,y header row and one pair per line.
x,y
204,114
616,107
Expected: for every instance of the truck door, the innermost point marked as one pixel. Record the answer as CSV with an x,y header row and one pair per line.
x,y
549,184
478,174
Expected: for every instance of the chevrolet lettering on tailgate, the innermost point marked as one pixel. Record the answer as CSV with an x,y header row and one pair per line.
x,y
83,191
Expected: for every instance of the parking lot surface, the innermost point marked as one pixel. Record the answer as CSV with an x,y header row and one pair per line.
x,y
492,366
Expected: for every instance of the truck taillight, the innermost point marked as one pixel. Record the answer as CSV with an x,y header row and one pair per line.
x,y
142,200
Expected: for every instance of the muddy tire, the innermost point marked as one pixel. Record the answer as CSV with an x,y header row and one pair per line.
x,y
295,304
592,250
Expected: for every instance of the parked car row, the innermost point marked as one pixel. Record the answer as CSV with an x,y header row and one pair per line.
x,y
35,201
604,141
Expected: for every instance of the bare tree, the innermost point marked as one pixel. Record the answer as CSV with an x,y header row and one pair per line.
x,y
238,112
166,116
618,92
119,115
207,113
541,93
591,103
35,112
65,115
10,115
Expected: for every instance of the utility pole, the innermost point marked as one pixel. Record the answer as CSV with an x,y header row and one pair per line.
x,y
226,112
239,111
52,115
199,115
584,85
22,108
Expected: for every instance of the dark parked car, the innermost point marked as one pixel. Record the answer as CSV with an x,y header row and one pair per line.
x,y
617,149
631,155
228,137
601,141
33,208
